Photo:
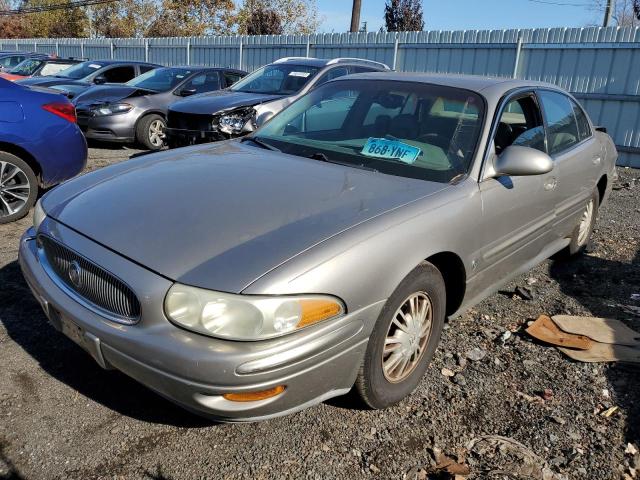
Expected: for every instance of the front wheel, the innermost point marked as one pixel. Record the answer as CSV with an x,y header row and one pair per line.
x,y
404,338
150,132
18,188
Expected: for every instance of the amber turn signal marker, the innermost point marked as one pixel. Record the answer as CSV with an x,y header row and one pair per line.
x,y
254,396
317,310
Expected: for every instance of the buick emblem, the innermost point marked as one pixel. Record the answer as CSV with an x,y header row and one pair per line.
x,y
74,274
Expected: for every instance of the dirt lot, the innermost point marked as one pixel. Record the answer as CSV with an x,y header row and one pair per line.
x,y
61,416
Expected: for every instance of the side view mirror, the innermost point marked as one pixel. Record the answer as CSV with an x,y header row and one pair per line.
x,y
520,161
185,92
100,79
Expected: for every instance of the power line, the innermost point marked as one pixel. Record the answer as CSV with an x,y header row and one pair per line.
x,y
54,6
563,4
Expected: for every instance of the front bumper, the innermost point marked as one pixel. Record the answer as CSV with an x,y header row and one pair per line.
x,y
182,137
111,128
193,370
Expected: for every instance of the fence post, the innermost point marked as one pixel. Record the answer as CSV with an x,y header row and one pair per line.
x,y
111,47
308,45
35,47
57,49
146,50
82,49
395,53
240,59
516,63
189,51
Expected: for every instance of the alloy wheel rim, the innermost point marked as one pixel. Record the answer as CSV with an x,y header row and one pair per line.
x,y
407,337
155,133
14,189
585,223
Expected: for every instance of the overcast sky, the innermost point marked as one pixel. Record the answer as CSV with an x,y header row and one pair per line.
x,y
470,14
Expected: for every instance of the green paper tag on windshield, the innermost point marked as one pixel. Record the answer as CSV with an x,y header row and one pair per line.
x,y
395,149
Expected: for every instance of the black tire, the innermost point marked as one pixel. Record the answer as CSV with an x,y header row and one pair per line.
x,y
144,136
7,201
579,243
376,390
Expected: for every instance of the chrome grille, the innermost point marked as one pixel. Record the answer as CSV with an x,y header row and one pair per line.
x,y
91,282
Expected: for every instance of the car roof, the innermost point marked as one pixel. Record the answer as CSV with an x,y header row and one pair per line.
x,y
488,86
202,67
323,62
125,62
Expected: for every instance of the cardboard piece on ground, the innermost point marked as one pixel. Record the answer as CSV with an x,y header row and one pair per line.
x,y
546,330
604,352
603,330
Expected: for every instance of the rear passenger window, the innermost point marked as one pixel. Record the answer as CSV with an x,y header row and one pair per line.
x,y
331,74
562,129
204,82
520,124
230,78
584,129
119,74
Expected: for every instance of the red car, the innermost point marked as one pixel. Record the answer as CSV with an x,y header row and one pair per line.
x,y
38,67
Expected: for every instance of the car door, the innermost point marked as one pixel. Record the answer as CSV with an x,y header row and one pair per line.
x,y
517,211
577,156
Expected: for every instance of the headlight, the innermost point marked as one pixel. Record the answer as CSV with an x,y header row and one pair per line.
x,y
111,109
246,317
236,122
38,215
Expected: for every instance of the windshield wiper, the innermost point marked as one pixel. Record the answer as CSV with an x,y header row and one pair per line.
x,y
323,158
260,143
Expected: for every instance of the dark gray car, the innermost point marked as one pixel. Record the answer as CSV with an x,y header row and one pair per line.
x,y
255,277
249,103
136,110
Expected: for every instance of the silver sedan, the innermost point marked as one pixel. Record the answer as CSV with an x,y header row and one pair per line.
x,y
255,277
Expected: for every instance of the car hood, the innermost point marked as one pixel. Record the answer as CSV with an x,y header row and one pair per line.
x,y
213,102
50,81
109,94
220,216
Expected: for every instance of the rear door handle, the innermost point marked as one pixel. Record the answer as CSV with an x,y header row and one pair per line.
x,y
550,183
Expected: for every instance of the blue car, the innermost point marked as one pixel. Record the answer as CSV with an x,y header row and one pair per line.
x,y
40,146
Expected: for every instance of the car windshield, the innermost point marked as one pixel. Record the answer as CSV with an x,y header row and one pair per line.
x,y
276,79
408,129
81,70
160,79
27,67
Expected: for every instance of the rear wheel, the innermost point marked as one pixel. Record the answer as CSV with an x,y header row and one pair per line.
x,y
150,132
18,188
582,232
404,338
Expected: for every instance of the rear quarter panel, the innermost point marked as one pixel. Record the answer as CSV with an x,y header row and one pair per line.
x,y
57,145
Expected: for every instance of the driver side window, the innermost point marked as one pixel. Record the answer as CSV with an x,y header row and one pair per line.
x,y
520,124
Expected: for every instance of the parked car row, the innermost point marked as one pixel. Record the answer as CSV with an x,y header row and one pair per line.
x,y
322,251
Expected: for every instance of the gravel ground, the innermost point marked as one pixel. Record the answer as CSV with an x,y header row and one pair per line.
x,y
521,407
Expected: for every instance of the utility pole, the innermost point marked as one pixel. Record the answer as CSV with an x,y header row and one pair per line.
x,y
608,12
355,15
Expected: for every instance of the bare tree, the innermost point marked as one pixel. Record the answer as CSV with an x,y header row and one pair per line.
x,y
625,13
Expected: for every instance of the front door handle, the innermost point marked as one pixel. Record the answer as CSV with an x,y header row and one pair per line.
x,y
550,183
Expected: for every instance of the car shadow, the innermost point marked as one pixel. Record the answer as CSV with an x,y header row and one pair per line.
x,y
591,281
27,325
